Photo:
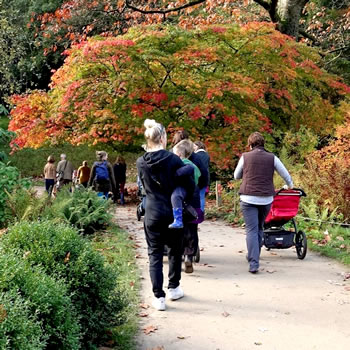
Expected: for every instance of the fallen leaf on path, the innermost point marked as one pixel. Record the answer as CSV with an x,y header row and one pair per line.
x,y
262,329
211,266
271,271
149,329
221,245
143,314
181,337
225,314
272,253
201,249
144,306
335,283
241,251
257,343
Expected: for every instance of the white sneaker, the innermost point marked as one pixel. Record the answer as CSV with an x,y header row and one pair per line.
x,y
175,293
159,303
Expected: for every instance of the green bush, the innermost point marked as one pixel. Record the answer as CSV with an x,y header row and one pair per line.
x,y
26,205
19,326
82,209
47,297
9,180
63,253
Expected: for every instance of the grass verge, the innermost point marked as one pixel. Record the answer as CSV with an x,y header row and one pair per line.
x,y
330,241
118,249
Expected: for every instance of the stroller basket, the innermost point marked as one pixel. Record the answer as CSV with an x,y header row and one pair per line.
x,y
285,206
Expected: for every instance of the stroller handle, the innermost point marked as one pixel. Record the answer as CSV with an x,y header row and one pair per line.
x,y
302,193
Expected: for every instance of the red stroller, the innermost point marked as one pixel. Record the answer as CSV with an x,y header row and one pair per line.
x,y
283,210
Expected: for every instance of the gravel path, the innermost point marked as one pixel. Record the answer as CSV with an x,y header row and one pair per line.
x,y
290,304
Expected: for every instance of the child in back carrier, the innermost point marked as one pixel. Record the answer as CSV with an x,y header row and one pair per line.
x,y
183,149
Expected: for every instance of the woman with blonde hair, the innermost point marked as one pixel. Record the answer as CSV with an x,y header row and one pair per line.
x,y
156,171
50,174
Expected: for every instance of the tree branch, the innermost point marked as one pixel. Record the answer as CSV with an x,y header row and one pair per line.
x,y
273,11
264,4
163,12
308,36
339,49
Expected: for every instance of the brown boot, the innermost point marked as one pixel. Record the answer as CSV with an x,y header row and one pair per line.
x,y
188,264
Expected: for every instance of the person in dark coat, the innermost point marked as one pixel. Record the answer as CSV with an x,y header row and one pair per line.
x,y
200,151
119,169
191,242
106,183
156,170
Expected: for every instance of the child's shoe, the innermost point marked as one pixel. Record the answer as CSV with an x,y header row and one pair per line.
x,y
177,212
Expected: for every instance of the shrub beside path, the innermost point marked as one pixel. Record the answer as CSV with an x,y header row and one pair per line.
x,y
290,304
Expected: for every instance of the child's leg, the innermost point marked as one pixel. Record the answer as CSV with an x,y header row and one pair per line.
x,y
177,198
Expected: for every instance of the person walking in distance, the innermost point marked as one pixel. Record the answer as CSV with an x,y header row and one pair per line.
x,y
199,149
256,168
84,174
156,170
102,176
119,169
50,174
65,171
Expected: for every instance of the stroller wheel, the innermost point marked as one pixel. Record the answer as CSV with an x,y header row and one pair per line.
x,y
197,257
301,244
138,213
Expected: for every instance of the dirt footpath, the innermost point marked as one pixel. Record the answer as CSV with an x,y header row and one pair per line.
x,y
291,304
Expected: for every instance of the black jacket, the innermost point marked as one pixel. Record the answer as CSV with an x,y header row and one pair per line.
x,y
119,173
157,171
204,169
205,160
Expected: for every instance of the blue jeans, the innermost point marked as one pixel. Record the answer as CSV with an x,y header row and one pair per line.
x,y
49,183
254,218
202,197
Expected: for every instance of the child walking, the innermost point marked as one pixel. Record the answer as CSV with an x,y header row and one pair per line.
x,y
183,149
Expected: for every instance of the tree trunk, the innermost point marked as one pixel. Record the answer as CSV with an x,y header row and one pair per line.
x,y
289,12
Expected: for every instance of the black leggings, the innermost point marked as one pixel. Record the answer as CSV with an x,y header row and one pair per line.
x,y
157,236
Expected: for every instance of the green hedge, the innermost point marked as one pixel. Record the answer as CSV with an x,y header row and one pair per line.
x,y
48,299
19,326
64,254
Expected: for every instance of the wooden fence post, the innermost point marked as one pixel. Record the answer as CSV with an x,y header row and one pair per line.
x,y
218,193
